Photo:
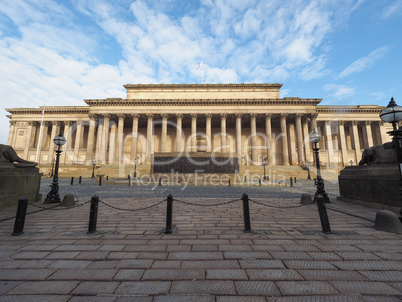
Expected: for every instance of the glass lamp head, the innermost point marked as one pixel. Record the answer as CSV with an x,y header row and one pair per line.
x,y
59,140
315,137
392,113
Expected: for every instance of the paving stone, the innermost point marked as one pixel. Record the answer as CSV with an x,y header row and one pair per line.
x,y
306,264
92,299
62,255
381,299
25,274
78,247
254,288
153,256
195,255
247,255
135,299
122,255
104,264
166,264
44,287
382,275
11,263
204,248
94,255
185,298
273,274
324,256
234,248
182,248
173,274
129,275
95,288
261,264
264,248
30,255
317,298
143,288
37,264
40,247
300,248
203,287
368,265
6,286
70,264
397,285
226,274
135,263
36,298
84,274
208,242
358,256
240,299
364,287
389,256
330,275
145,248
210,264
291,288
290,255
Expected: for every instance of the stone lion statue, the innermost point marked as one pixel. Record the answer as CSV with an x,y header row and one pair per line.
x,y
8,155
380,154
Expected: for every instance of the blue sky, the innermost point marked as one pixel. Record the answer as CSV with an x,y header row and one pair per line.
x,y
347,52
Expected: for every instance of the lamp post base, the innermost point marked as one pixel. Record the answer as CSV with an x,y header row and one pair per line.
x,y
53,196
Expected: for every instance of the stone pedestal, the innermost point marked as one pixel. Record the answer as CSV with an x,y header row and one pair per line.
x,y
16,183
375,186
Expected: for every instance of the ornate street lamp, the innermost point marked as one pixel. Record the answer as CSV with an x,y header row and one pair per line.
x,y
264,163
308,170
53,161
351,162
320,196
53,195
93,168
135,168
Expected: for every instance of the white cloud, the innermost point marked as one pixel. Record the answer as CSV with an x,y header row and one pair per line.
x,y
393,9
364,62
339,92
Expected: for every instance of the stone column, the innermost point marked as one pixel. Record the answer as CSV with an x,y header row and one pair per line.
x,y
11,133
112,143
150,137
284,136
208,131
344,149
268,143
179,132
369,134
77,146
120,140
134,137
99,140
164,132
384,136
314,122
299,135
65,147
223,133
193,142
238,137
55,132
91,138
306,141
356,142
330,147
253,126
105,137
28,140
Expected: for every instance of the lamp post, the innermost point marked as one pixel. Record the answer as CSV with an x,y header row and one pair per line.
x,y
308,170
93,168
135,168
53,161
264,163
320,196
53,195
351,162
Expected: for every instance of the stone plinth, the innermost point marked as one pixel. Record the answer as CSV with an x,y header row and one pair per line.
x,y
16,183
375,186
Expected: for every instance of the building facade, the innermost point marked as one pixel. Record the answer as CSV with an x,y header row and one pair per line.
x,y
247,121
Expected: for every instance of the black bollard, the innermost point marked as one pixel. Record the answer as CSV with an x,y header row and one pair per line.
x,y
20,217
79,180
291,182
100,180
295,179
259,182
107,177
129,180
72,180
128,176
246,213
315,181
245,178
322,211
169,212
93,214
229,182
160,181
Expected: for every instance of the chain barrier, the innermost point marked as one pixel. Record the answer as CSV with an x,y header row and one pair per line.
x,y
278,207
56,208
207,205
132,210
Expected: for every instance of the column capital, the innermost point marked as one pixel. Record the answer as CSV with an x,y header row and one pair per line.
x,y
354,123
31,123
284,115
179,116
223,115
92,116
367,123
208,115
12,123
150,116
329,123
135,116
298,115
121,115
194,116
268,115
66,123
79,123
341,123
107,116
165,116
55,123
253,115
381,123
238,115
306,120
314,115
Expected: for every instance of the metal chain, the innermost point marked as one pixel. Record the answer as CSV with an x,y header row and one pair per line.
x,y
56,208
207,205
276,207
132,210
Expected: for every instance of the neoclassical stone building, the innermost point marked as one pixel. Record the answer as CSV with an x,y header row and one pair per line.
x,y
247,121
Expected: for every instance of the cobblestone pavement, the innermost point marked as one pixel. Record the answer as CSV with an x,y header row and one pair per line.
x,y
207,258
